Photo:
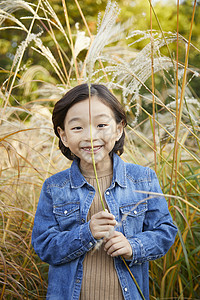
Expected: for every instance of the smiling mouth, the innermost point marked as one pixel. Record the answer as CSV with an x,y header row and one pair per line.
x,y
89,149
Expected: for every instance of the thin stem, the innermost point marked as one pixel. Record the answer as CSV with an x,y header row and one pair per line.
x,y
177,84
71,40
153,88
92,154
82,16
51,32
180,108
159,25
141,294
5,273
95,170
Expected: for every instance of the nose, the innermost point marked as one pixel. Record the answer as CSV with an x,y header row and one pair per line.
x,y
91,131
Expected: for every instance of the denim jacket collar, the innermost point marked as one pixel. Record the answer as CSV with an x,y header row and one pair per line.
x,y
119,173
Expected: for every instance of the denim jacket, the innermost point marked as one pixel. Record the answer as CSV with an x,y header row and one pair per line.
x,y
61,234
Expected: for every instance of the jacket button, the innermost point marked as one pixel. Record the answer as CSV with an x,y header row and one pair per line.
x,y
107,193
82,220
125,289
135,212
65,212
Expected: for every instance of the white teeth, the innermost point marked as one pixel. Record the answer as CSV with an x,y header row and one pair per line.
x,y
90,148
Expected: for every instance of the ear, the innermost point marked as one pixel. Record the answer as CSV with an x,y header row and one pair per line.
x,y
120,128
62,135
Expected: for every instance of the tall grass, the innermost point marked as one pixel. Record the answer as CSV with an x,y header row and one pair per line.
x,y
163,131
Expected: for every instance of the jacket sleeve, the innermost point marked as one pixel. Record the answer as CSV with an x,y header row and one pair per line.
x,y
159,232
50,243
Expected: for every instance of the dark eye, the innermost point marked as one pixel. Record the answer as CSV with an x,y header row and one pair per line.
x,y
77,128
102,125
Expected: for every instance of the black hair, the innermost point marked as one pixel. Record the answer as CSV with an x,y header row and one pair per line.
x,y
80,93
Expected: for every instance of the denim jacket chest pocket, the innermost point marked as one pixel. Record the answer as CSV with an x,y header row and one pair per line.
x,y
67,215
133,218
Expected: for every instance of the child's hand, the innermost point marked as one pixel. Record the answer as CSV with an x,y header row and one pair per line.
x,y
117,244
101,223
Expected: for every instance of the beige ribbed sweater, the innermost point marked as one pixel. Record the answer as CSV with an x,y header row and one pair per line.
x,y
100,281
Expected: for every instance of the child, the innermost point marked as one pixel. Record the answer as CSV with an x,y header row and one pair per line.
x,y
70,219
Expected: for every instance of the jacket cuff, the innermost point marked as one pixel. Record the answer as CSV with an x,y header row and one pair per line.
x,y
138,251
87,239
87,243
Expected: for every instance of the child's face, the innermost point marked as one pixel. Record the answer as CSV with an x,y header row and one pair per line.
x,y
105,132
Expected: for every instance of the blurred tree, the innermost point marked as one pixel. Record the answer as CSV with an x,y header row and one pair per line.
x,y
138,10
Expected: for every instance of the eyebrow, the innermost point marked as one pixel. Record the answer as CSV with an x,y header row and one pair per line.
x,y
74,119
79,119
102,115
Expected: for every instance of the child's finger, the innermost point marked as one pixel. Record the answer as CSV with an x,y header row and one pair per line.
x,y
104,215
102,232
112,236
117,244
101,223
102,219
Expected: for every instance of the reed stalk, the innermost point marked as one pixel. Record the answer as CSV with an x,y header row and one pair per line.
x,y
160,27
71,40
5,275
83,18
51,32
177,87
180,108
92,153
153,89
